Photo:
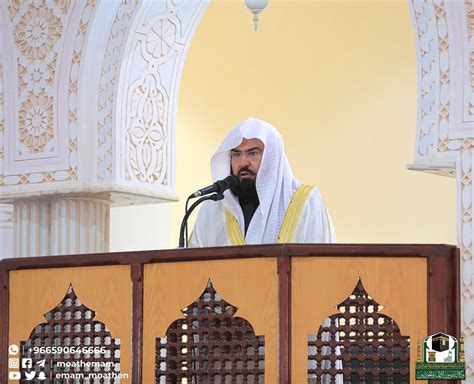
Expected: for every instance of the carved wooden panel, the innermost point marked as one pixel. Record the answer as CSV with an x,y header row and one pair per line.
x,y
359,345
210,345
71,342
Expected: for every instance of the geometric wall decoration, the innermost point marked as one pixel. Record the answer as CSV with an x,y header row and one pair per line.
x,y
88,96
210,345
71,343
146,98
359,345
42,58
444,36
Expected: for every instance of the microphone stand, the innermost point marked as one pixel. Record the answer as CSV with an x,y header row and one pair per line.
x,y
214,196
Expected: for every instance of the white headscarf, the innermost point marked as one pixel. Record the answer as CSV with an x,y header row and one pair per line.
x,y
275,182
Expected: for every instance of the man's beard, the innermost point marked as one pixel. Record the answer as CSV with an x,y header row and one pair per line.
x,y
246,189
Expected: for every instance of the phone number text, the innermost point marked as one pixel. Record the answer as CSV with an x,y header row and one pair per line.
x,y
69,350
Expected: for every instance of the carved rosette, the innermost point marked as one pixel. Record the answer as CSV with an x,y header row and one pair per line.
x,y
36,123
161,38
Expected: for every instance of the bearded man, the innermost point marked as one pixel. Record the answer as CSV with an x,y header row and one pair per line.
x,y
269,205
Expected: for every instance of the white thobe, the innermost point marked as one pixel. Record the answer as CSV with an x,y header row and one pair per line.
x,y
313,226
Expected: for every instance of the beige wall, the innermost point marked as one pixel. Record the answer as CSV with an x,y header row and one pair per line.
x,y
338,79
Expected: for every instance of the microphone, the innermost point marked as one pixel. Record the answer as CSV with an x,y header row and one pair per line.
x,y
219,186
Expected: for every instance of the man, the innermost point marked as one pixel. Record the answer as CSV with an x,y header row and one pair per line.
x,y
270,205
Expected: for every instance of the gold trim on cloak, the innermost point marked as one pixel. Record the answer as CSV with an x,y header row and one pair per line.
x,y
288,227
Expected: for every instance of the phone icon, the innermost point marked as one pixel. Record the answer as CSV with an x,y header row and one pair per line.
x,y
14,375
13,349
30,375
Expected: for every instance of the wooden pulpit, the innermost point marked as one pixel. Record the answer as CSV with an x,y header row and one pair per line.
x,y
255,314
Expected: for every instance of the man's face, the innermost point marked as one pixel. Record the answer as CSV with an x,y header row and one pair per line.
x,y
245,159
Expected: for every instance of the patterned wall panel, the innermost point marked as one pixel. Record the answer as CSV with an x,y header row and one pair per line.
x,y
88,95
57,59
444,36
147,95
119,31
42,61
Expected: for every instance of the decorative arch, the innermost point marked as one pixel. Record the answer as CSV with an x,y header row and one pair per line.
x,y
138,92
100,76
88,110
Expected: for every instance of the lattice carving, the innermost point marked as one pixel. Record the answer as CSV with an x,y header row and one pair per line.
x,y
210,345
72,324
368,344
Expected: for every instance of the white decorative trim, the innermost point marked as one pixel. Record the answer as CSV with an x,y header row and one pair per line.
x,y
465,242
423,18
148,90
107,91
467,23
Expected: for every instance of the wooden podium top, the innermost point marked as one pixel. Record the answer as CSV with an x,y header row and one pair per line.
x,y
221,253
